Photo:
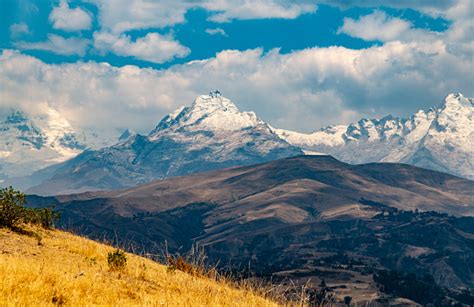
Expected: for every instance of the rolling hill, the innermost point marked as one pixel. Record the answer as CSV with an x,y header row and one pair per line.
x,y
296,217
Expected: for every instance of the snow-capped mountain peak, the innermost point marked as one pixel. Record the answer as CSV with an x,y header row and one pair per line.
x,y
18,129
456,114
211,133
458,99
219,113
440,138
208,113
33,141
212,103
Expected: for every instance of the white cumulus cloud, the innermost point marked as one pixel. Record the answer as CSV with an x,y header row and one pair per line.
x,y
216,31
300,90
458,37
376,26
119,16
57,44
19,29
70,19
225,11
153,47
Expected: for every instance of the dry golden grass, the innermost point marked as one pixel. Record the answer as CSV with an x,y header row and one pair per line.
x,y
66,269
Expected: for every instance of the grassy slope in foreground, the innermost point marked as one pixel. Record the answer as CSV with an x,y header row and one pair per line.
x,y
68,269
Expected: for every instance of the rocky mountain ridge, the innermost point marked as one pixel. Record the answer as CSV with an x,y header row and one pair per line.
x,y
441,138
210,134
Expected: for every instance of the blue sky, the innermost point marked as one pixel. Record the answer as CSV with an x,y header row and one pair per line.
x,y
319,28
339,52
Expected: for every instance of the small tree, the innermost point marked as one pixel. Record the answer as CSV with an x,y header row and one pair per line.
x,y
347,300
12,211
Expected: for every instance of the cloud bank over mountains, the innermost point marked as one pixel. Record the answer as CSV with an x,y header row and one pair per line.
x,y
300,90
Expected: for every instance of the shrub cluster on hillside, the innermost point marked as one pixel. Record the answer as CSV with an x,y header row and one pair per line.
x,y
13,212
117,260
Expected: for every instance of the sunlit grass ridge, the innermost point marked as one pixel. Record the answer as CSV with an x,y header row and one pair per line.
x,y
71,270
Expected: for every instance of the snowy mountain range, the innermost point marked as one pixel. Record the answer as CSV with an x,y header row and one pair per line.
x,y
30,143
210,134
441,139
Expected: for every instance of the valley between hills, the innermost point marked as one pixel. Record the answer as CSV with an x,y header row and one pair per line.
x,y
298,219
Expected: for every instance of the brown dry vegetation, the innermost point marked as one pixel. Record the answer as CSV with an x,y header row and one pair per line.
x,y
65,269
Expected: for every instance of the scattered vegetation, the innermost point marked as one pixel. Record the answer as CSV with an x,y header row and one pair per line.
x,y
117,260
180,263
45,217
73,271
193,263
13,213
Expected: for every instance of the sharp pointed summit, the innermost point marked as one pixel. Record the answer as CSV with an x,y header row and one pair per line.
x,y
212,103
207,113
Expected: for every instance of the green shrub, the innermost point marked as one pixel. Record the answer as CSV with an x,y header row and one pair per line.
x,y
12,210
117,260
45,217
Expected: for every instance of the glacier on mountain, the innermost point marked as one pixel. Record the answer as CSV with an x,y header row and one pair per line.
x,y
212,133
441,138
209,134
29,143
